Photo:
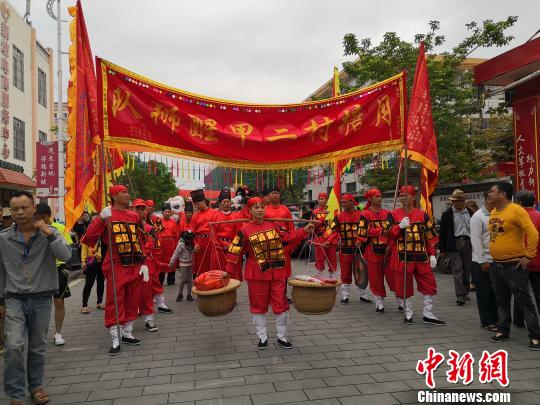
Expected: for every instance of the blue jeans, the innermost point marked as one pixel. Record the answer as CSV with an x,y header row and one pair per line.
x,y
26,318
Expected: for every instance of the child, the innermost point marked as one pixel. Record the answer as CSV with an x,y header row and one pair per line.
x,y
184,253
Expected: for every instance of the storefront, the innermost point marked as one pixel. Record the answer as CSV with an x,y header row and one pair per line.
x,y
12,179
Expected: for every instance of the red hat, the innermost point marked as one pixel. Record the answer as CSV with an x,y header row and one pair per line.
x,y
372,192
150,203
323,195
253,201
138,202
407,190
115,190
347,197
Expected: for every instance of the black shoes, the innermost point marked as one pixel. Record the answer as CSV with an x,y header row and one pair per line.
x,y
460,300
400,308
290,300
151,326
284,344
189,297
130,341
534,346
179,297
432,321
379,311
114,351
499,338
365,300
344,301
407,321
165,310
262,345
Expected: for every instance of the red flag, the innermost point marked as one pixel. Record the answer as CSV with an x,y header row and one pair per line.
x,y
420,136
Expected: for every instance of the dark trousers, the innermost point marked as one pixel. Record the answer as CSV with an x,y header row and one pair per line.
x,y
93,273
171,278
461,264
508,281
485,296
534,278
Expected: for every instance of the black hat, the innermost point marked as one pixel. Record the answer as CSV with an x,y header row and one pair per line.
x,y
189,206
224,194
268,190
166,206
197,195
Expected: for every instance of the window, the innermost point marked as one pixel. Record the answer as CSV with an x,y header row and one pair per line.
x,y
18,68
42,136
350,187
42,88
18,139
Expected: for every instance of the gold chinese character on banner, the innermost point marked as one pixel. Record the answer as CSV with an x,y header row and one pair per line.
x,y
281,133
318,129
383,111
204,129
243,130
351,119
168,117
120,101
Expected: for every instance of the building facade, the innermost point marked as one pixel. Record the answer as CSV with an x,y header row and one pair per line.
x,y
26,101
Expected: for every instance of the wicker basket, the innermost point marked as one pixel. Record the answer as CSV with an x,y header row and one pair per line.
x,y
217,302
313,298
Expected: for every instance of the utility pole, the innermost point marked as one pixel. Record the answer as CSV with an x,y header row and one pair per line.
x,y
60,110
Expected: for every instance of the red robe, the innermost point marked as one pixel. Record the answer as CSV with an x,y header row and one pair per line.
x,y
168,239
153,287
265,270
223,235
127,254
202,260
323,254
282,211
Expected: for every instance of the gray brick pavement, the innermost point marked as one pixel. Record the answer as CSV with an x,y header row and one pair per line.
x,y
350,356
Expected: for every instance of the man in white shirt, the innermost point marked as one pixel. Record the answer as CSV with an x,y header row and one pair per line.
x,y
482,262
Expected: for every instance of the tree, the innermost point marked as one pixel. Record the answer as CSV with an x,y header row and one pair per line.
x,y
454,96
144,182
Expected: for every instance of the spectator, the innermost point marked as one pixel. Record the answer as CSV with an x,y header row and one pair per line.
x,y
92,258
472,206
43,212
526,200
482,264
79,229
7,221
455,241
509,225
28,278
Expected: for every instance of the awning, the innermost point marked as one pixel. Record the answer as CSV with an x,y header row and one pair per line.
x,y
15,180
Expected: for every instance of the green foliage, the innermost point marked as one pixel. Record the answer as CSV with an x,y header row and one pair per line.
x,y
145,184
454,96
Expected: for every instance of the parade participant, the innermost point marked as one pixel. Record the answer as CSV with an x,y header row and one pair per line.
x,y
146,305
128,260
185,222
265,271
202,257
223,234
324,252
43,212
420,254
150,216
344,228
371,224
168,238
91,259
184,254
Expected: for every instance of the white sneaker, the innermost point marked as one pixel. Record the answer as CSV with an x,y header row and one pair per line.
x,y
59,340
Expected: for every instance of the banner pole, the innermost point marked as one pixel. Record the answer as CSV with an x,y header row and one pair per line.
x,y
405,238
109,236
397,182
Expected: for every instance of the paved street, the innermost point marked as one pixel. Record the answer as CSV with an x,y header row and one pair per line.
x,y
350,356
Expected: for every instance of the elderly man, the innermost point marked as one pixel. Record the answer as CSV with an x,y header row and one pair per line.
x,y
455,241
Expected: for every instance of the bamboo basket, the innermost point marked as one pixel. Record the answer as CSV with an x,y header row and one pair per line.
x,y
313,298
217,302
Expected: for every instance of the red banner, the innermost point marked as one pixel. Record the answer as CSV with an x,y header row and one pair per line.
x,y
526,145
137,114
47,168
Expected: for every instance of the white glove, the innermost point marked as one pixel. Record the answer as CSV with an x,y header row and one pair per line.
x,y
405,222
106,213
433,261
144,273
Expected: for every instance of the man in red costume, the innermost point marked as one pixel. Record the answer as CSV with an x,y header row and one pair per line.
x,y
202,251
150,217
324,252
371,225
223,233
419,253
168,237
345,229
146,305
128,259
265,270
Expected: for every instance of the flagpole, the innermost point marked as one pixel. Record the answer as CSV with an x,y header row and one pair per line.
x,y
405,237
397,182
109,237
